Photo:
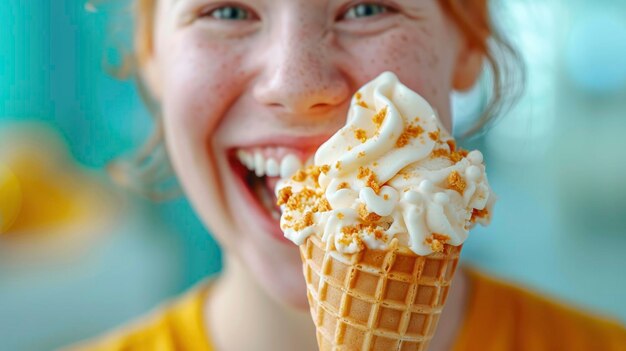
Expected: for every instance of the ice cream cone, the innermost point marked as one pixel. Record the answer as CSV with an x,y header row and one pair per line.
x,y
380,218
376,299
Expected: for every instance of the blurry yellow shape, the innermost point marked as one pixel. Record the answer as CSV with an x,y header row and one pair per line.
x,y
53,201
47,197
10,198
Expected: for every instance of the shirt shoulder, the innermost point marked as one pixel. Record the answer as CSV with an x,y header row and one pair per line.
x,y
177,325
502,316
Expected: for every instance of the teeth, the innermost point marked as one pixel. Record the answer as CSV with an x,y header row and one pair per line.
x,y
245,158
289,165
271,167
259,164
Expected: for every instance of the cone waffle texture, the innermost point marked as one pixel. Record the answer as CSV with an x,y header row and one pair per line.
x,y
376,300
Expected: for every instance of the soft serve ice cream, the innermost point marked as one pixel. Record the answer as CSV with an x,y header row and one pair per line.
x,y
392,171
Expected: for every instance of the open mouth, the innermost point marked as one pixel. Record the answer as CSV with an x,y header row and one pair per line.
x,y
259,169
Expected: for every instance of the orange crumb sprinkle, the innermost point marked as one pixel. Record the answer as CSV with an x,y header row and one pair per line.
x,y
323,206
324,169
300,176
338,165
340,215
434,135
386,197
437,241
476,213
454,156
362,103
343,185
370,178
452,144
361,135
379,117
366,216
283,195
305,221
361,154
358,95
456,182
440,153
411,131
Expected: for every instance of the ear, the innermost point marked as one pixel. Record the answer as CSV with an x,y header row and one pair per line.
x,y
468,67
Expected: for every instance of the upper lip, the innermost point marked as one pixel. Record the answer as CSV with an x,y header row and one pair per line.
x,y
303,143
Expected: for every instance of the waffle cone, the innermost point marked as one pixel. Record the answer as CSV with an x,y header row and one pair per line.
x,y
376,300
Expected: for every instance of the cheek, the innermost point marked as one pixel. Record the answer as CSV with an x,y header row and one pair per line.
x,y
200,80
414,54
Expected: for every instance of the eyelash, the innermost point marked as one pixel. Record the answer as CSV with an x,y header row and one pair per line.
x,y
352,12
212,11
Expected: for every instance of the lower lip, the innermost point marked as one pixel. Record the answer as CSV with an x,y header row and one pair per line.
x,y
269,225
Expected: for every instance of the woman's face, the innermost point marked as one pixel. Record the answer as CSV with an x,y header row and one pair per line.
x,y
247,87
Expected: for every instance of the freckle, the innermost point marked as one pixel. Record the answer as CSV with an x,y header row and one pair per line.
x,y
404,37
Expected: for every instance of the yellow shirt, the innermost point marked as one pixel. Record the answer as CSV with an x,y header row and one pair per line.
x,y
500,317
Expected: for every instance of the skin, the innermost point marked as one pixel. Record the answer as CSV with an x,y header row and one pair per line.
x,y
282,77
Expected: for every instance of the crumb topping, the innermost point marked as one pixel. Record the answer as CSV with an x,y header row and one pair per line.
x,y
367,216
456,182
476,213
361,135
454,155
283,195
361,154
343,185
338,165
451,144
434,135
305,221
437,241
370,178
379,117
350,235
410,132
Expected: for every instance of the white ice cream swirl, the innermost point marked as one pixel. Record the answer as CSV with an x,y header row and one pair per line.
x,y
391,172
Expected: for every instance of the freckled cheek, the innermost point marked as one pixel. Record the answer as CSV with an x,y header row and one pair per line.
x,y
410,54
198,86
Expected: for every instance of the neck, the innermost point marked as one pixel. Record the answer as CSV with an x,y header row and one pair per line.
x,y
452,317
241,316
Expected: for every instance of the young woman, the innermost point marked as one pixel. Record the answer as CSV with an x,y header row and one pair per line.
x,y
272,79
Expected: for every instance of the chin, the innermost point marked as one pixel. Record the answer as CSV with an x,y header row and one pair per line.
x,y
279,274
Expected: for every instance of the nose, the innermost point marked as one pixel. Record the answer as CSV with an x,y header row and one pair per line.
x,y
299,76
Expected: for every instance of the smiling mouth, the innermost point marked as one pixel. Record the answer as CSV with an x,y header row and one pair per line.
x,y
260,168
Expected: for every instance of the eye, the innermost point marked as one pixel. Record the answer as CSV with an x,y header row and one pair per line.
x,y
366,9
228,13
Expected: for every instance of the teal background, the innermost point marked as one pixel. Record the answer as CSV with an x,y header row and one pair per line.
x,y
555,161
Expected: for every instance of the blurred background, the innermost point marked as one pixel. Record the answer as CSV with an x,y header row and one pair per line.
x,y
79,255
